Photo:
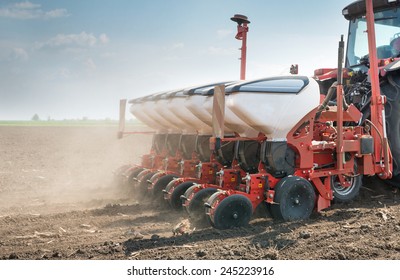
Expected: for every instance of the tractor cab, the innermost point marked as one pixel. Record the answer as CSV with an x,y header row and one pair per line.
x,y
357,60
387,34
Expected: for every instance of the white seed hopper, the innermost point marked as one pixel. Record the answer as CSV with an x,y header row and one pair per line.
x,y
176,105
232,123
138,109
147,109
187,105
164,110
273,105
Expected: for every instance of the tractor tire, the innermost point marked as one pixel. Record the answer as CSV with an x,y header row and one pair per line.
x,y
391,89
346,194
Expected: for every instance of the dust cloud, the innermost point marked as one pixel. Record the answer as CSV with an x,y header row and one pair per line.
x,y
47,167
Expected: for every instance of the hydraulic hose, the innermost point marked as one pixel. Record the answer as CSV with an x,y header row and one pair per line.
x,y
328,98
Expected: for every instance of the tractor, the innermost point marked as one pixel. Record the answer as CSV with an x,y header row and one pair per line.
x,y
320,134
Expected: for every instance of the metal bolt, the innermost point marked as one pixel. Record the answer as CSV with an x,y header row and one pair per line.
x,y
235,215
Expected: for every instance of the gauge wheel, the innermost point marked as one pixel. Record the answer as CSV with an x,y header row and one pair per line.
x,y
232,212
294,199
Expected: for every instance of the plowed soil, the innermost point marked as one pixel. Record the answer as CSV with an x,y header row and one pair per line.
x,y
58,201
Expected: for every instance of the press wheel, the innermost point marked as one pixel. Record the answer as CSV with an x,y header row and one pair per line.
x,y
119,175
160,185
188,193
175,200
130,182
143,183
196,208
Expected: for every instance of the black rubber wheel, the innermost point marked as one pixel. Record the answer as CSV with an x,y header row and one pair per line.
x,y
160,185
175,200
294,199
346,194
196,208
131,182
119,175
232,212
187,194
143,185
391,89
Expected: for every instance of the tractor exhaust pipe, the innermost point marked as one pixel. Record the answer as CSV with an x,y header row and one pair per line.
x,y
340,106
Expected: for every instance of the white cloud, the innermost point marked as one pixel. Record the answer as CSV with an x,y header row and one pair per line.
x,y
178,46
104,38
20,54
90,65
222,33
57,13
221,51
82,39
26,5
28,10
108,55
64,73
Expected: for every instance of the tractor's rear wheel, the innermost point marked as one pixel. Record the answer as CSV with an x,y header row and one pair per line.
x,y
346,187
391,89
175,200
196,208
294,199
232,212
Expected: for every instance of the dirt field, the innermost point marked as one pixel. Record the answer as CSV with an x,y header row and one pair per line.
x,y
57,201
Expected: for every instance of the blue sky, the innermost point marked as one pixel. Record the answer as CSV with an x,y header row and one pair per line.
x,y
71,59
